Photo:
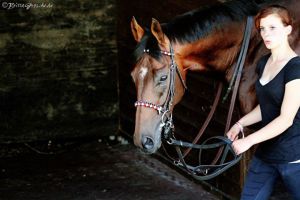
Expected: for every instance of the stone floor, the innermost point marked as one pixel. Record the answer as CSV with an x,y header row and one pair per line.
x,y
92,170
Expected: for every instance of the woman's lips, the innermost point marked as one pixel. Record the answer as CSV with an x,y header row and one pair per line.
x,y
267,42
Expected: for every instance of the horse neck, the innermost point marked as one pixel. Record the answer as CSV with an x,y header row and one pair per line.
x,y
217,52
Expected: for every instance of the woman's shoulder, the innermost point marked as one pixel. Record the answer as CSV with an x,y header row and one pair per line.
x,y
296,59
292,69
294,62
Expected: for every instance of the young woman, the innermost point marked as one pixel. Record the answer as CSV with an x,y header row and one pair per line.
x,y
278,93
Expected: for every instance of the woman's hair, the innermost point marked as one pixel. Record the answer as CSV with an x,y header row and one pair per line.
x,y
280,11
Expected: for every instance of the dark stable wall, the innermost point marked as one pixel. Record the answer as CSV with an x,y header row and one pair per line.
x,y
191,112
57,70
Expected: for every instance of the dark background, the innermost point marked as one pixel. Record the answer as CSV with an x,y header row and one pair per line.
x,y
58,71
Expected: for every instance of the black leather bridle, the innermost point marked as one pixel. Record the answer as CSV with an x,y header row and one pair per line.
x,y
200,172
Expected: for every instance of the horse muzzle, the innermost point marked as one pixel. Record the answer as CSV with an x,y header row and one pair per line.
x,y
148,140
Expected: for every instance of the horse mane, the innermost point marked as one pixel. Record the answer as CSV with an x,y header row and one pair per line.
x,y
199,23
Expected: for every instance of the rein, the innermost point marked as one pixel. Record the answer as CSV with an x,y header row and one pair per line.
x,y
202,172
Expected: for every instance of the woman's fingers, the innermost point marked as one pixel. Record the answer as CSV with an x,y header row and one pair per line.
x,y
241,145
232,135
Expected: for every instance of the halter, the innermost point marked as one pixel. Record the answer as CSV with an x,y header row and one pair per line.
x,y
201,172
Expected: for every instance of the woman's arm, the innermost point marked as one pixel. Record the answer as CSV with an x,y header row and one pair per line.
x,y
252,117
289,109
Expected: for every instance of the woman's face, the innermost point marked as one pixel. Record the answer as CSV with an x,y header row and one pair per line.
x,y
273,32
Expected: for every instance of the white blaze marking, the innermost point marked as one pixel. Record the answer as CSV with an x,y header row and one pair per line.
x,y
143,72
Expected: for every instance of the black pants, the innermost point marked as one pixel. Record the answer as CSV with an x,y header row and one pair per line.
x,y
262,176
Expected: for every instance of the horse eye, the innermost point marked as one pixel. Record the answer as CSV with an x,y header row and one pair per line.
x,y
163,78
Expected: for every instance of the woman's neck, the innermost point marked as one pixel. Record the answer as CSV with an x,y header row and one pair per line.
x,y
282,52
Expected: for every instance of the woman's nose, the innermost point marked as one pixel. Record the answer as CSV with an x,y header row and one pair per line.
x,y
265,33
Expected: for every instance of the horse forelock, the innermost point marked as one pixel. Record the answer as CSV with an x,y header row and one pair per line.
x,y
148,41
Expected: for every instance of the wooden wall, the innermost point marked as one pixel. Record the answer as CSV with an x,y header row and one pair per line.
x,y
58,70
193,109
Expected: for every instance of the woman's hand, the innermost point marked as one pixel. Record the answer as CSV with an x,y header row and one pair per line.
x,y
241,145
233,133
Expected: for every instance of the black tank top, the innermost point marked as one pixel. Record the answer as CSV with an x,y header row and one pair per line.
x,y
285,147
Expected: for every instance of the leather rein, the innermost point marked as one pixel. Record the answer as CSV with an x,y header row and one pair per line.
x,y
220,163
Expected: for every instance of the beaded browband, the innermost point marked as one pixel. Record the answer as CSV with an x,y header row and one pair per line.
x,y
163,52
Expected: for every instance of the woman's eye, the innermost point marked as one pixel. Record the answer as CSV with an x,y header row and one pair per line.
x,y
163,78
272,27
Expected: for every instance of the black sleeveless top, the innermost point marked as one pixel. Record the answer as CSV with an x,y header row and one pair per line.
x,y
285,147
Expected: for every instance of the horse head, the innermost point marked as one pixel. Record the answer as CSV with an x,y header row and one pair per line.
x,y
153,78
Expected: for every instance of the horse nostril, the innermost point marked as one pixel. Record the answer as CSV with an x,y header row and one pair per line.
x,y
147,143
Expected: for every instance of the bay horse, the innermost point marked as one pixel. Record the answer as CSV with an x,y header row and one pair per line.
x,y
206,39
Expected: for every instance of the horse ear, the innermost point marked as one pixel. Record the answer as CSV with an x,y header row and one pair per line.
x,y
137,30
157,31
